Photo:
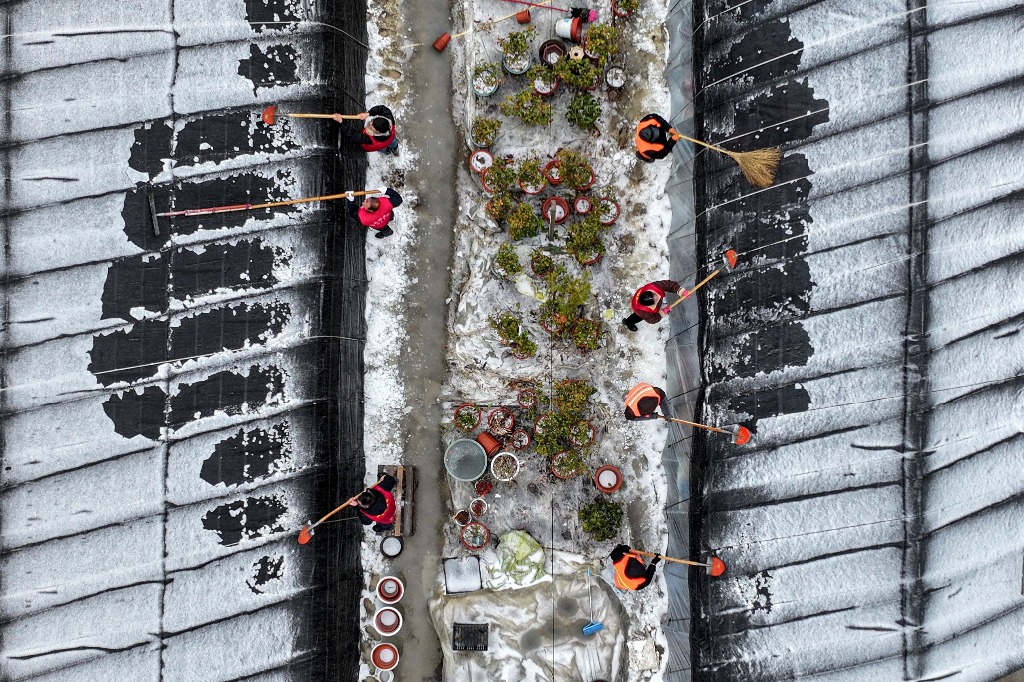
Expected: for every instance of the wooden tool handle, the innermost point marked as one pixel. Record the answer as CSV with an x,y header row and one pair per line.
x,y
346,503
694,424
350,116
668,558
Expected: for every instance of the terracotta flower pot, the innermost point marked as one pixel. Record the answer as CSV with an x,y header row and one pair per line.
x,y
480,160
527,398
523,17
462,517
611,213
465,408
475,536
587,185
534,190
608,479
560,207
390,589
483,487
555,470
500,422
551,172
384,656
570,29
488,443
518,440
582,205
387,621
551,51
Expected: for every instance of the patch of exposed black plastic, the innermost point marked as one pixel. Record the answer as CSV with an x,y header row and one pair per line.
x,y
248,456
136,282
265,569
264,14
219,137
137,412
246,264
248,519
227,392
275,67
152,145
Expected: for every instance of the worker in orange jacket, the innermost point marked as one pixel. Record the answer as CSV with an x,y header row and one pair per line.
x,y
643,401
630,572
655,138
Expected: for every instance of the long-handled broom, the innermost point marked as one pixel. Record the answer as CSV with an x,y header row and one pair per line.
x,y
252,207
758,165
740,434
728,263
306,534
269,115
716,566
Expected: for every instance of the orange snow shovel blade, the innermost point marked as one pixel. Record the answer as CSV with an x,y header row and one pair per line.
x,y
305,535
741,435
717,567
730,258
442,42
269,116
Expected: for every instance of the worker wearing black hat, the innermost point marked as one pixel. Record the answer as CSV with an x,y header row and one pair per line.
x,y
655,138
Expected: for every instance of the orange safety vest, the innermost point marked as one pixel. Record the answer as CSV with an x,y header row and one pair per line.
x,y
639,307
388,515
623,581
642,145
638,393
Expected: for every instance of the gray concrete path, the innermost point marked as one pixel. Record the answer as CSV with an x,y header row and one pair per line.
x,y
428,130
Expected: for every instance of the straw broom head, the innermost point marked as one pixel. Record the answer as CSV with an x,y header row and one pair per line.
x,y
759,165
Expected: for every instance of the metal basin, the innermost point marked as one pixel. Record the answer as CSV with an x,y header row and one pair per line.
x,y
465,460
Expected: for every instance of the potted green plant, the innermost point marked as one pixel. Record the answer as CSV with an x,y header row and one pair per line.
x,y
601,42
515,50
608,209
485,131
584,240
574,169
586,334
531,178
474,536
566,296
545,81
507,260
582,204
541,263
568,464
499,206
486,79
510,330
573,396
583,111
601,518
467,416
523,222
528,107
480,160
582,434
625,8
500,177
578,73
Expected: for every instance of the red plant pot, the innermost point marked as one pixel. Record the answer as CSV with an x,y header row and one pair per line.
x,y
608,479
483,487
518,440
620,12
387,621
582,205
475,536
523,17
555,471
588,184
551,172
478,507
384,656
480,160
500,422
611,216
527,398
488,442
533,190
594,260
466,407
560,207
390,589
538,426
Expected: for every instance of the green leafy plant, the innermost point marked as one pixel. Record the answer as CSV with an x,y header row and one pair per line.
x,y
601,518
528,107
628,6
545,75
572,396
566,293
574,168
577,73
568,464
487,76
530,173
584,238
523,222
517,43
510,330
501,176
485,130
586,334
541,263
466,418
499,206
583,111
508,260
602,40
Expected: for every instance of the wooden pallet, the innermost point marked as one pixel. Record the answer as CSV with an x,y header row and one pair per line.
x,y
404,492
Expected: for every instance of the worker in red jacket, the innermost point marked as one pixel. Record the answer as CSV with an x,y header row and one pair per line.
x,y
647,301
643,401
376,212
377,133
655,138
630,571
376,505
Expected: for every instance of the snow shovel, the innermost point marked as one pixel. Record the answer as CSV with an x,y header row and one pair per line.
x,y
269,115
716,566
728,263
593,627
740,434
306,534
